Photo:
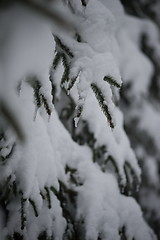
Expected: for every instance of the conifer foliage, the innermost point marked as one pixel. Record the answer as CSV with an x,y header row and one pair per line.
x,y
67,170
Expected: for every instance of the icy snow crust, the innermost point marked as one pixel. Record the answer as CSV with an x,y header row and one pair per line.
x,y
40,162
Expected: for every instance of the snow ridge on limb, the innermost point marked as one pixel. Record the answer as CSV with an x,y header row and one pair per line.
x,y
84,62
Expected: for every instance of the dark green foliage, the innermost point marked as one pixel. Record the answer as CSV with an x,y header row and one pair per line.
x,y
111,81
122,233
67,198
48,197
73,179
113,166
54,190
98,153
66,64
15,188
39,97
103,106
71,83
65,54
23,216
15,236
46,106
67,111
56,60
83,136
125,93
63,47
33,204
132,180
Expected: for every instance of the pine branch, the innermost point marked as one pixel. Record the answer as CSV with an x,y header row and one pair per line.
x,y
114,164
36,88
42,195
56,60
23,217
63,47
14,188
101,101
48,197
40,98
111,81
46,105
65,77
134,185
34,207
55,192
122,233
71,83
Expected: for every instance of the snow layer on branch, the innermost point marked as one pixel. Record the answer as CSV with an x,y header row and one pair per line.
x,y
116,141
93,57
99,202
33,168
90,64
134,219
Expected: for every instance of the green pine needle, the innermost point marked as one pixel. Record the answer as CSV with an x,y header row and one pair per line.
x,y
34,207
56,60
103,106
55,192
71,83
40,99
36,88
64,47
23,217
46,105
65,77
48,197
111,81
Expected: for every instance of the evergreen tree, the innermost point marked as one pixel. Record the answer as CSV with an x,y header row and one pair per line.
x,y
67,170
144,111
